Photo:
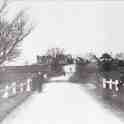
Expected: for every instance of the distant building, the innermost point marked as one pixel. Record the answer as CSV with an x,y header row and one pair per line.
x,y
58,59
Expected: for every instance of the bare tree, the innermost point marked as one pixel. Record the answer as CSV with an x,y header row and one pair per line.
x,y
12,33
54,52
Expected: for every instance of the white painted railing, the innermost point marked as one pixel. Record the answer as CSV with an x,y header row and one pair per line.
x,y
14,88
111,84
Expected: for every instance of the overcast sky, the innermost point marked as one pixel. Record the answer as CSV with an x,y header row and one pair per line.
x,y
79,27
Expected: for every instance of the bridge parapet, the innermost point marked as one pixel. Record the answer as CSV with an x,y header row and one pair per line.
x,y
25,69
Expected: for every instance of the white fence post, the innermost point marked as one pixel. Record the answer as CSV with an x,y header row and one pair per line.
x,y
116,85
104,83
28,88
6,94
14,88
110,84
21,87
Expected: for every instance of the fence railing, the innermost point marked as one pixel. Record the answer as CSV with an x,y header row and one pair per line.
x,y
15,88
110,84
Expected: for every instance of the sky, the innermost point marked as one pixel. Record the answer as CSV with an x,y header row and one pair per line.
x,y
78,27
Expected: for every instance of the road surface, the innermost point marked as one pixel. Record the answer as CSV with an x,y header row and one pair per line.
x,y
61,103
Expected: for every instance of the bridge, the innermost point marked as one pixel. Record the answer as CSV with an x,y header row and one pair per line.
x,y
26,69
22,72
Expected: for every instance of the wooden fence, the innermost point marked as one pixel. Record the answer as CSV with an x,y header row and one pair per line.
x,y
110,84
15,88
